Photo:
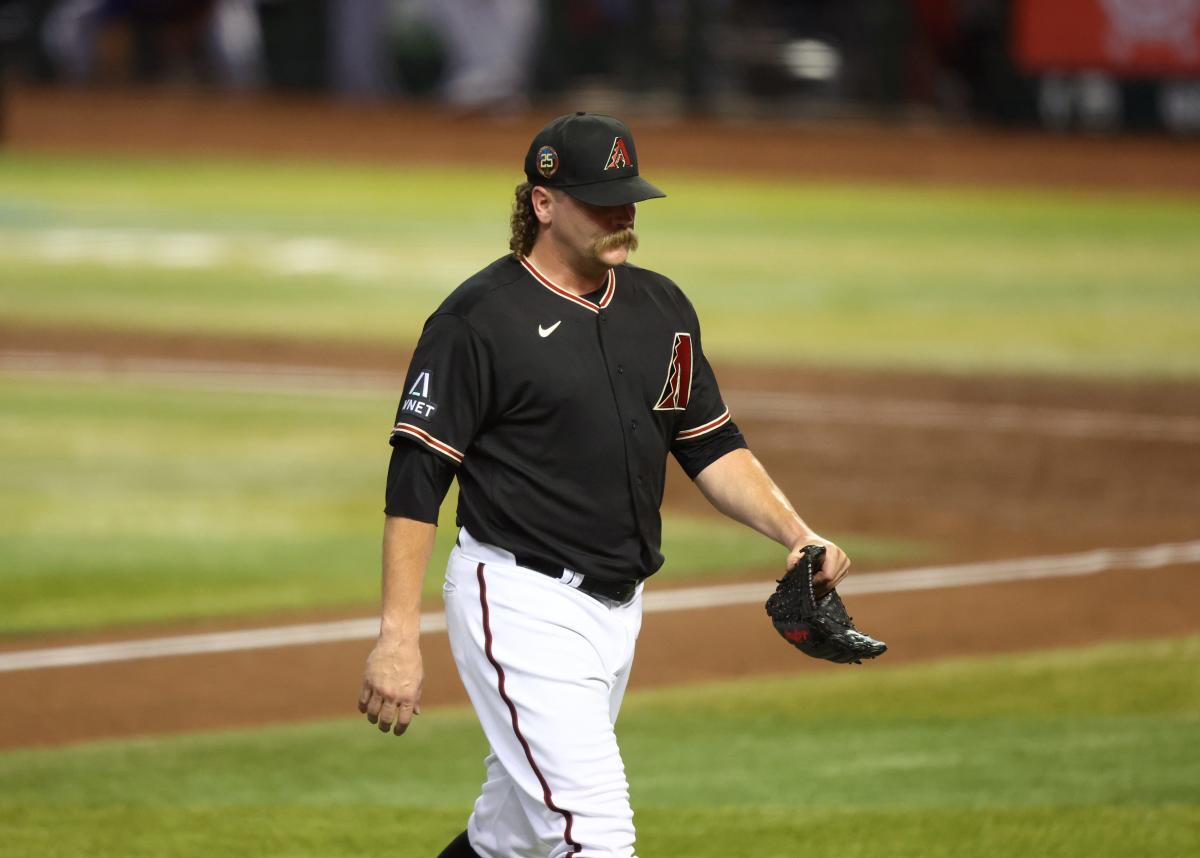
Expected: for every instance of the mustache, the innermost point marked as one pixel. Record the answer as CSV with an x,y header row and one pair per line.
x,y
621,238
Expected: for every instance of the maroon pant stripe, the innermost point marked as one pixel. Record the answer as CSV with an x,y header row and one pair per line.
x,y
547,797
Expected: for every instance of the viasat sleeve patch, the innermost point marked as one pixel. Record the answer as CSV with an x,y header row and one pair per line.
x,y
445,390
417,402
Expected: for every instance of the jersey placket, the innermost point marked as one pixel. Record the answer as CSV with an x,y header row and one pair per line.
x,y
644,506
626,425
645,450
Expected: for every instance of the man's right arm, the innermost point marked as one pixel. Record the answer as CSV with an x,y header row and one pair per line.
x,y
391,688
437,417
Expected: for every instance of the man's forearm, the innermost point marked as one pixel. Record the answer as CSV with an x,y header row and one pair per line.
x,y
739,486
407,545
391,689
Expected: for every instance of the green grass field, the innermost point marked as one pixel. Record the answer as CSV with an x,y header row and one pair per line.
x,y
126,504
123,504
942,279
1087,753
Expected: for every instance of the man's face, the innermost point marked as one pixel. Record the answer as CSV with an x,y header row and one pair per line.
x,y
596,236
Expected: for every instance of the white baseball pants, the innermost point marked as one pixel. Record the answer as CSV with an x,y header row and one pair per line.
x,y
545,666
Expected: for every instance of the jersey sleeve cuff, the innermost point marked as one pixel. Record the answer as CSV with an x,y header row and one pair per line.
x,y
404,431
417,482
704,428
695,457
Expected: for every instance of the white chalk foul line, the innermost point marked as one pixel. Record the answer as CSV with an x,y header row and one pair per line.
x,y
790,408
924,578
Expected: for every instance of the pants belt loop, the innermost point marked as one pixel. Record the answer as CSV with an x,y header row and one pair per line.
x,y
571,579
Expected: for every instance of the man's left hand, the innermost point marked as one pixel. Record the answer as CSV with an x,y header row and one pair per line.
x,y
833,570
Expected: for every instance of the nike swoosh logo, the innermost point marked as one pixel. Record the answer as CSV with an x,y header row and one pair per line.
x,y
545,332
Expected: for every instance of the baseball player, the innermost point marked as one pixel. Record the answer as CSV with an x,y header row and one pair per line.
x,y
553,384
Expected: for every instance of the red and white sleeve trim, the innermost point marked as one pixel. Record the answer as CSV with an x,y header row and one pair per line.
x,y
429,441
604,301
704,428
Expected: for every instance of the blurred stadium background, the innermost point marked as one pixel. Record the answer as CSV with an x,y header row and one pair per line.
x,y
947,256
1092,65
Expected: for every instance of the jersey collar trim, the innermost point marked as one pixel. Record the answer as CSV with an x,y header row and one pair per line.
x,y
604,301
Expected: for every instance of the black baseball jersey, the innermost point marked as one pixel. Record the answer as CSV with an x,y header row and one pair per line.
x,y
558,412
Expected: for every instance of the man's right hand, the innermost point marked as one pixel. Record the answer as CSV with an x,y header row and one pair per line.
x,y
391,689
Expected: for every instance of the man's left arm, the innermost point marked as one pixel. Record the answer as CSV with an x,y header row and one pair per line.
x,y
711,450
739,486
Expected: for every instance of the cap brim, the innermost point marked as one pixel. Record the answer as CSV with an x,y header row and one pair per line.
x,y
615,192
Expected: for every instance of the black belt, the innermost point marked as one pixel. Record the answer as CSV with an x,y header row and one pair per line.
x,y
618,591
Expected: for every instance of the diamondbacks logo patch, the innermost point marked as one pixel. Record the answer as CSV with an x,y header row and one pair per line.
x,y
678,389
618,156
547,161
416,401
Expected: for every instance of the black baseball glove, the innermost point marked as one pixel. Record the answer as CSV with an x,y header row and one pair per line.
x,y
821,627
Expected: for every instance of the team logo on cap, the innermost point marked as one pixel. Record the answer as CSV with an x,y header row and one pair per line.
x,y
618,156
547,161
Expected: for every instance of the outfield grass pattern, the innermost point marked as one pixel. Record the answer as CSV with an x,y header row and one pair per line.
x,y
123,504
1086,753
952,280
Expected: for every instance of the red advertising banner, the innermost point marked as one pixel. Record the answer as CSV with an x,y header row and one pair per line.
x,y
1147,38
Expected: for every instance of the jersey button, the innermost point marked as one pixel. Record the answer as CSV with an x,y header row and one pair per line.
x,y
633,425
620,369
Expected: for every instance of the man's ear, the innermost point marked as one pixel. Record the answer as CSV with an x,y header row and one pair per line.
x,y
542,200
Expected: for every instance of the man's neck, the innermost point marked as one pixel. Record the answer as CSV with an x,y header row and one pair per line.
x,y
574,277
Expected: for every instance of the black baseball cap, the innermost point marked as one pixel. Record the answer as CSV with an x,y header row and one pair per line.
x,y
590,156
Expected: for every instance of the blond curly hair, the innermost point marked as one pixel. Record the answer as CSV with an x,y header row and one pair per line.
x,y
524,223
